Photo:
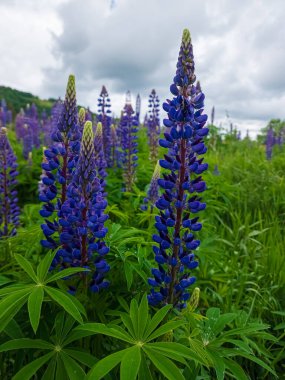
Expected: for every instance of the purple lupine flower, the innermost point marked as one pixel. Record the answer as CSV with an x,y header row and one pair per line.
x,y
82,218
145,121
138,107
3,113
100,161
47,129
9,209
216,170
9,117
61,157
128,126
269,143
114,157
56,112
213,115
153,125
153,191
104,111
198,87
176,225
81,118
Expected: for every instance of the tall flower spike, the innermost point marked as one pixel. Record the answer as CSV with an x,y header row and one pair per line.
x,y
81,118
9,210
153,125
270,140
83,218
61,158
128,130
138,107
153,191
176,225
213,115
100,162
104,112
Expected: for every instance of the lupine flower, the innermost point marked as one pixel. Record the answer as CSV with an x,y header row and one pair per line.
x,y
56,112
9,210
145,121
213,115
176,226
269,143
138,107
198,87
82,218
100,161
104,111
61,158
81,118
114,158
153,191
153,125
216,170
129,130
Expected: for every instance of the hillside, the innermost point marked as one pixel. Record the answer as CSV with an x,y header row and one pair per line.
x,y
19,99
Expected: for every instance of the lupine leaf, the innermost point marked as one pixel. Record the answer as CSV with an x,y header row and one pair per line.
x,y
10,305
105,365
30,369
130,364
26,265
17,344
44,265
156,319
82,357
35,301
74,371
172,325
50,371
164,365
100,328
65,273
64,301
235,369
142,316
134,315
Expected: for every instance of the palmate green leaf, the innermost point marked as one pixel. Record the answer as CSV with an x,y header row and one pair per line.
x,y
66,302
177,349
142,316
60,373
253,358
50,371
130,364
129,273
35,301
100,328
44,265
235,369
218,363
166,351
156,319
73,369
65,273
17,344
144,371
15,288
126,319
13,330
26,266
105,365
172,325
10,305
164,365
82,357
134,315
30,369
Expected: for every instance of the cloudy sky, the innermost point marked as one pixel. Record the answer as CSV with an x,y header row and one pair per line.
x,y
133,45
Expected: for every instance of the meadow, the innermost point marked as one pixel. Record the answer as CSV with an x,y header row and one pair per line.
x,y
231,327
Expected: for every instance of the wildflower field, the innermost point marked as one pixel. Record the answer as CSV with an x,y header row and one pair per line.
x,y
140,248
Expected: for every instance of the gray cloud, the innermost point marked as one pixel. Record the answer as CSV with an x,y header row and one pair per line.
x,y
238,48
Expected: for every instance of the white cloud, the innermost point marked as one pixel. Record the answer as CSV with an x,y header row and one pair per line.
x,y
238,48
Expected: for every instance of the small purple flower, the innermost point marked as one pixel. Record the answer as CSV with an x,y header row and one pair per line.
x,y
153,125
9,209
104,116
128,130
153,191
269,143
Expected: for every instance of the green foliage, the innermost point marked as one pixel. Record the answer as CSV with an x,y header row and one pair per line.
x,y
237,329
